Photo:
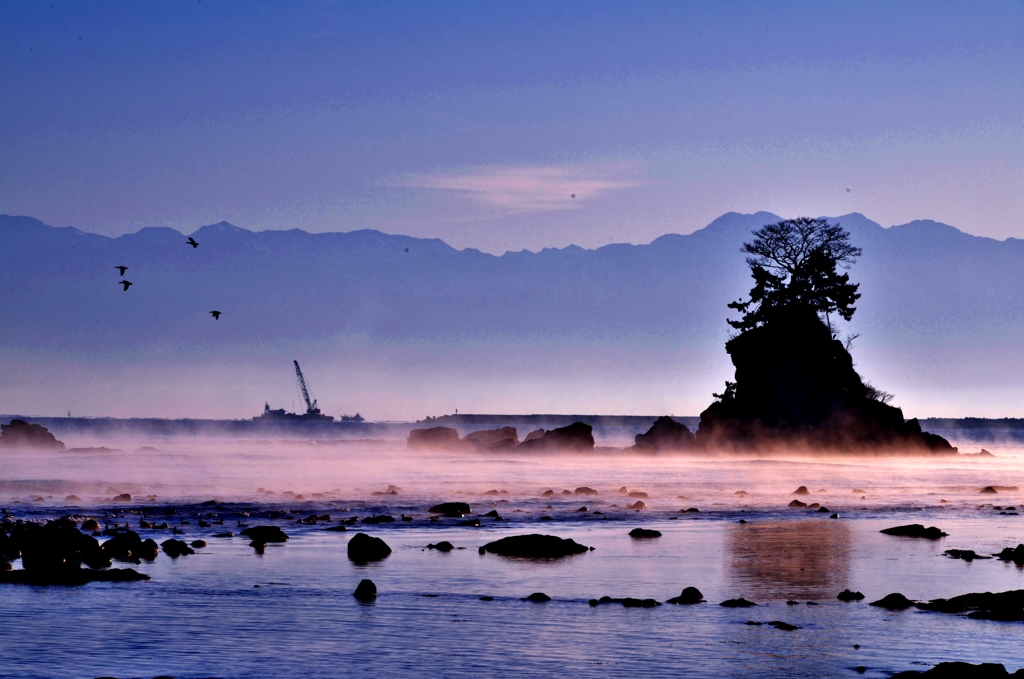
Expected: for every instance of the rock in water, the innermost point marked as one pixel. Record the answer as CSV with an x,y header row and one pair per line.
x,y
690,595
960,670
665,434
21,434
802,490
737,603
847,595
451,509
443,546
893,602
1001,606
1015,555
577,436
265,534
585,490
915,530
538,598
363,548
365,590
506,437
175,548
435,437
644,533
534,547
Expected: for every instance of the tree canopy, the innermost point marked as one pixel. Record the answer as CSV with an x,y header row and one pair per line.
x,y
795,265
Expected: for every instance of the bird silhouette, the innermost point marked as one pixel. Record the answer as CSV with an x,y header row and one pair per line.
x,y
192,241
122,269
126,284
216,315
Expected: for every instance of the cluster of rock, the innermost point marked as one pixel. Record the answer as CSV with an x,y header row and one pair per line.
x,y
21,434
1001,606
575,437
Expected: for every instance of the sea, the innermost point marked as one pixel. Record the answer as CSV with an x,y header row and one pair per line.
x,y
230,611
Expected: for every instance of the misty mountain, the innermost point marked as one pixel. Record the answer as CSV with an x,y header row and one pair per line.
x,y
940,308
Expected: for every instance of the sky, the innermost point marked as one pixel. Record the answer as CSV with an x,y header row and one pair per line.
x,y
509,126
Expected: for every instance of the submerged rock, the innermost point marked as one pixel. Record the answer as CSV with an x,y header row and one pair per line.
x,y
690,595
365,591
628,602
363,548
665,434
784,626
737,603
915,530
644,533
893,602
964,554
534,546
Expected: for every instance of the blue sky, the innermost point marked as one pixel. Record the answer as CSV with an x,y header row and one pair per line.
x,y
476,122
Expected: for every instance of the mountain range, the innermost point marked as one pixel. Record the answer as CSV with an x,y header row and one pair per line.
x,y
402,327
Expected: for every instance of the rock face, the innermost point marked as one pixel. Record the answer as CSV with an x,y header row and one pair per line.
x,y
576,437
796,386
363,548
534,546
915,530
494,439
665,434
434,437
21,434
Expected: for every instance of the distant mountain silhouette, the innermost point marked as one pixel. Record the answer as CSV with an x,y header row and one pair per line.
x,y
935,300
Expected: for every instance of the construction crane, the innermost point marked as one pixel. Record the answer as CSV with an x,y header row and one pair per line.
x,y
311,408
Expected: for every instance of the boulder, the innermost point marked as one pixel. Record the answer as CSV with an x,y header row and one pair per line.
x,y
125,546
576,437
443,546
506,437
665,434
988,490
365,590
915,530
1015,555
175,548
737,603
639,504
638,494
796,504
434,437
893,602
802,490
363,548
265,534
90,525
198,544
454,510
690,595
538,598
847,595
534,546
644,533
584,490
21,434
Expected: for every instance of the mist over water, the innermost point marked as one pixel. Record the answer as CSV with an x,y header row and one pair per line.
x,y
202,615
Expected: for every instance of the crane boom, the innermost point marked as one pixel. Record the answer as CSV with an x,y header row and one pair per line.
x,y
310,405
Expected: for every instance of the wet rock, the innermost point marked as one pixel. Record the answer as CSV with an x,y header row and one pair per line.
x,y
198,544
70,577
175,548
834,516
638,494
538,597
893,602
960,670
584,490
1002,606
443,546
577,436
988,490
374,520
737,603
148,550
691,510
813,505
666,434
492,493
824,510
229,534
567,492
365,591
265,534
847,595
434,437
451,509
690,595
915,530
336,529
802,490
548,493
72,498
363,548
1015,555
472,523
90,525
784,626
493,514
741,493
124,546
964,554
628,602
123,497
797,504
53,550
644,533
486,598
21,434
639,504
534,546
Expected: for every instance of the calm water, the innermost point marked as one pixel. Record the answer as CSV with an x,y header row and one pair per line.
x,y
202,615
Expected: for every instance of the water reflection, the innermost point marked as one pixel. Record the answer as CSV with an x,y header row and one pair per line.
x,y
803,559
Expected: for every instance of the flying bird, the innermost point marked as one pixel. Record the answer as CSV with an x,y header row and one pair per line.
x,y
126,284
122,269
216,315
192,241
